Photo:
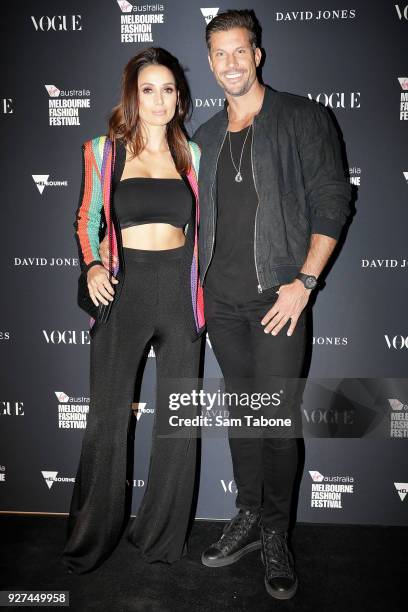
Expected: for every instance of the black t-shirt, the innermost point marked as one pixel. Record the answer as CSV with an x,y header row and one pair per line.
x,y
232,274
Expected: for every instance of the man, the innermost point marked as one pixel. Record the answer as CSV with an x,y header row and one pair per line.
x,y
273,200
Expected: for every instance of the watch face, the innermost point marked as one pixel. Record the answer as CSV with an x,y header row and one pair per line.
x,y
310,282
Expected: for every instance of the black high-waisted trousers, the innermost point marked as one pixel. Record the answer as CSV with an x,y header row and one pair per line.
x,y
149,310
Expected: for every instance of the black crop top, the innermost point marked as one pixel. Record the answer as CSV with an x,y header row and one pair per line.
x,y
140,200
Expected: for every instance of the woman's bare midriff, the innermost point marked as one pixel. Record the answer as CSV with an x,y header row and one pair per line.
x,y
153,237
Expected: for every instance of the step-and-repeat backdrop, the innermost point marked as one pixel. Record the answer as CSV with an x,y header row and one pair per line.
x,y
62,68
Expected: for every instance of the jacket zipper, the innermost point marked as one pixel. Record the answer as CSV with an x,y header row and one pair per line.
x,y
212,197
257,206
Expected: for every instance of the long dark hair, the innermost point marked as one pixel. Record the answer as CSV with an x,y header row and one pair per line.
x,y
124,121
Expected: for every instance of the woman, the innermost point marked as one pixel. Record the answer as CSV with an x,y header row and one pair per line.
x,y
144,178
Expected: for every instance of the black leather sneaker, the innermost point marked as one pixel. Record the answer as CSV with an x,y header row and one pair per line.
x,y
280,578
241,535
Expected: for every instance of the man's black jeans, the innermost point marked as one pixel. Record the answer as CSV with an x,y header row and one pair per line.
x,y
264,466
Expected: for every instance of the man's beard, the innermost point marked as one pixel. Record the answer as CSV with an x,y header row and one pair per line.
x,y
240,92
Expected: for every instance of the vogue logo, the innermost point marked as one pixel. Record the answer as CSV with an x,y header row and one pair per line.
x,y
12,409
7,106
338,99
57,23
66,336
329,416
402,12
396,342
229,486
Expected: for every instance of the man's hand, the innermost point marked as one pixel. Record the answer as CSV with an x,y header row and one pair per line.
x,y
292,299
104,253
99,286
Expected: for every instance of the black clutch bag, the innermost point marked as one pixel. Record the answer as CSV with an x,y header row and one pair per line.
x,y
84,299
101,312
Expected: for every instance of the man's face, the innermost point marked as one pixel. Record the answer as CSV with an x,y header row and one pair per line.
x,y
233,60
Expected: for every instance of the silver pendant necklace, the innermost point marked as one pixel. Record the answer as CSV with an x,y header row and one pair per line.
x,y
238,176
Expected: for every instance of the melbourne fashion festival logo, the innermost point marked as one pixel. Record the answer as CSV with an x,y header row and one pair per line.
x,y
327,491
72,411
403,81
355,175
318,15
137,21
209,13
398,419
64,105
52,477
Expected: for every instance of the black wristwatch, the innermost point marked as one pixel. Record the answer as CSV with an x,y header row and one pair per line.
x,y
309,281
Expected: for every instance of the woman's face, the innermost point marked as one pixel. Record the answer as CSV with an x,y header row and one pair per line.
x,y
157,95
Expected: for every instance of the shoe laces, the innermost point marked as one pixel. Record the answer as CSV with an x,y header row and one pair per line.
x,y
276,554
237,528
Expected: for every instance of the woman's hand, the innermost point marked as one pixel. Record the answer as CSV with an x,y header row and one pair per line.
x,y
104,253
99,286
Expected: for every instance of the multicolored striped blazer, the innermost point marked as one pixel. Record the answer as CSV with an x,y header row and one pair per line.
x,y
93,216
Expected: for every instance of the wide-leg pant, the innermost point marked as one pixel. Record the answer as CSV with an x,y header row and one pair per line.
x,y
149,310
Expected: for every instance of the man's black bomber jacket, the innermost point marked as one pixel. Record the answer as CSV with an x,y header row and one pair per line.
x,y
299,178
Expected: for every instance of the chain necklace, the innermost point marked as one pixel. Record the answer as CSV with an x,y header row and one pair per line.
x,y
238,176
